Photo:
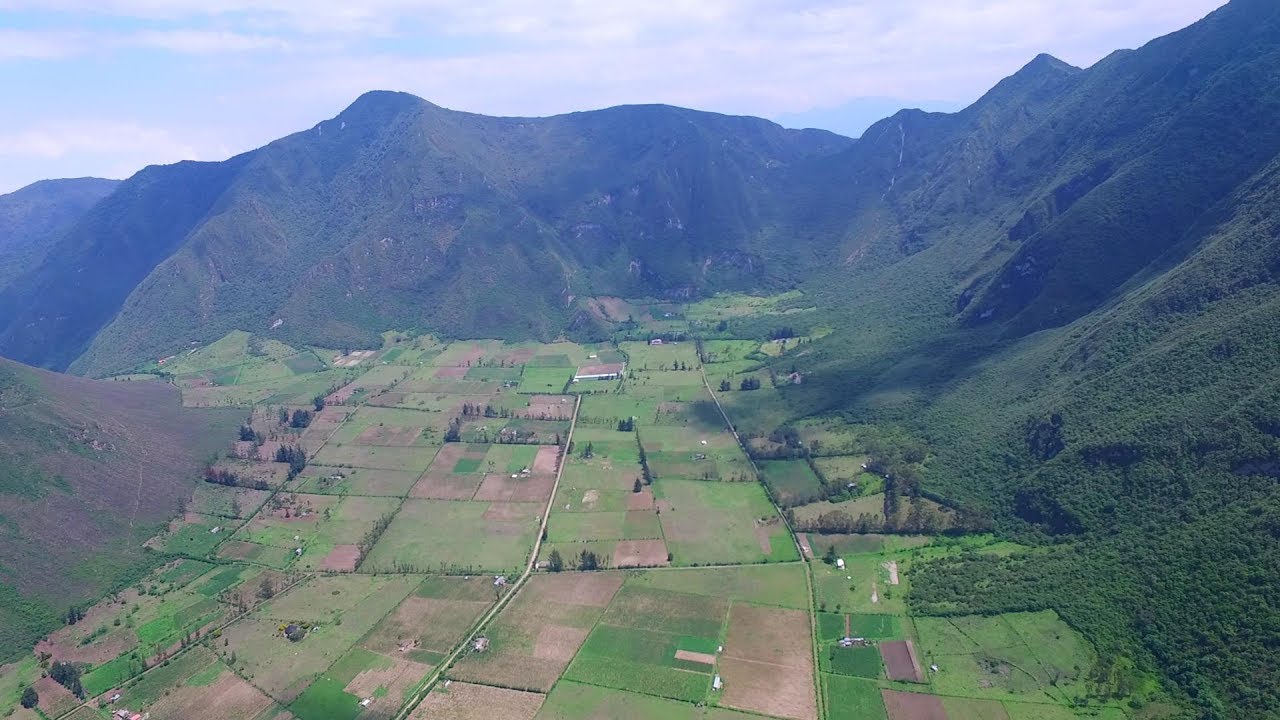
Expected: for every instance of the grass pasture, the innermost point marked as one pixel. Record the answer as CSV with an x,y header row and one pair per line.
x,y
793,482
430,535
1033,657
721,523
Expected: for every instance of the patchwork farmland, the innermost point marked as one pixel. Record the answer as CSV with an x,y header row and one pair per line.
x,y
440,529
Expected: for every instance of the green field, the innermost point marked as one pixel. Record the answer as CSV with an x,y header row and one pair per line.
x,y
545,380
435,535
714,523
855,661
1015,656
850,698
792,481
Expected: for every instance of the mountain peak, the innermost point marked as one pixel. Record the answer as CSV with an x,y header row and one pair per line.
x,y
381,103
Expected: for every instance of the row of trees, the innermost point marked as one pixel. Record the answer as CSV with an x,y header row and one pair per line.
x,y
587,560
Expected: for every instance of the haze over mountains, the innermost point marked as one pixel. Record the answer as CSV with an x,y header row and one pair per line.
x,y
1068,290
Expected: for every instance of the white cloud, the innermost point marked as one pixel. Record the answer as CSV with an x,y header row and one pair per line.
x,y
60,140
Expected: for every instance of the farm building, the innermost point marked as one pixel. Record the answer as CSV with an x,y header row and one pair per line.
x,y
607,371
656,341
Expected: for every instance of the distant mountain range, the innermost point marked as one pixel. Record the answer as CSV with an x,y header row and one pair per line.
x,y
32,219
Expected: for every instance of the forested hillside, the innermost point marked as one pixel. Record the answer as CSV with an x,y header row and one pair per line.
x,y
1094,361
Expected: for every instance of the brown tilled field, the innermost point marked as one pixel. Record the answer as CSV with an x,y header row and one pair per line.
x,y
445,486
900,661
464,701
549,407
913,706
389,435
55,700
452,372
501,487
535,638
393,681
342,558
558,644
227,697
420,623
642,500
547,461
767,664
640,553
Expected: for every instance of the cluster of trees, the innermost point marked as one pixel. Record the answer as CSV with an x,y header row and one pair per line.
x,y
248,434
627,425
30,698
300,419
68,676
223,476
586,560
295,456
73,615
782,333
454,432
474,410
749,383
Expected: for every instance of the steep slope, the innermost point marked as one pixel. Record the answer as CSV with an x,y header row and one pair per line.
x,y
32,218
1078,317
91,470
398,213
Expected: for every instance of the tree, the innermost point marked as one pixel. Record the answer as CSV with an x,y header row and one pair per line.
x,y
589,451
638,486
284,416
267,589
68,676
300,419
30,698
247,434
555,563
725,385
318,402
749,383
454,433
830,556
588,561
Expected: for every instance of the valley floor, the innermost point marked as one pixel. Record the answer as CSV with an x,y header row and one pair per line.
x,y
464,530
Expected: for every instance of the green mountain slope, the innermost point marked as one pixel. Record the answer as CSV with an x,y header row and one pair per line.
x,y
398,213
91,470
32,218
1086,344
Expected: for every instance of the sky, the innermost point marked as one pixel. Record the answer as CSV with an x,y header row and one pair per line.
x,y
106,87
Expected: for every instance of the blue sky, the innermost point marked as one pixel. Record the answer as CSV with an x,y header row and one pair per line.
x,y
105,87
